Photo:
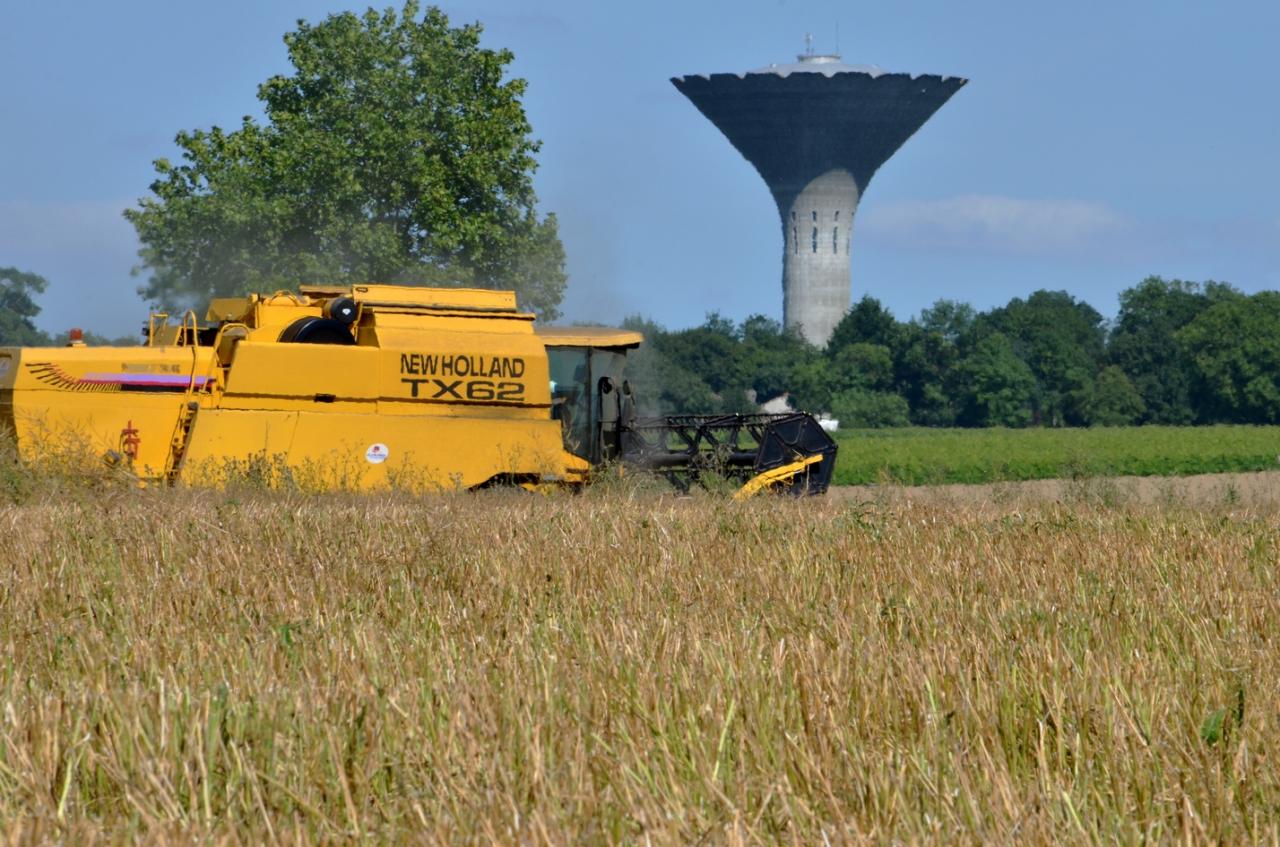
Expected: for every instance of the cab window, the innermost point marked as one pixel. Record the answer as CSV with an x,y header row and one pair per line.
x,y
571,397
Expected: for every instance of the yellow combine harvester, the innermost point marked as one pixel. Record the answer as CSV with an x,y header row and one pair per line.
x,y
374,385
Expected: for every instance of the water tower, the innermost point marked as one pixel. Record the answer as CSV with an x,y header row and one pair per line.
x,y
817,131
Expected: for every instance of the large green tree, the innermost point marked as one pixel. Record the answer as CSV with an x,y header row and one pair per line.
x,y
995,386
1115,401
396,151
868,322
1144,343
18,308
949,318
776,360
662,385
1234,350
924,362
1062,340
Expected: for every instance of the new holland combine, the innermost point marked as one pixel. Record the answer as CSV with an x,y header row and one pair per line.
x,y
374,385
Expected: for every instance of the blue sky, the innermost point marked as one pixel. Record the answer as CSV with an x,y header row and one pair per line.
x,y
1097,143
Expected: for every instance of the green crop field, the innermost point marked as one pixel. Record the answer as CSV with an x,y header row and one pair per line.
x,y
936,456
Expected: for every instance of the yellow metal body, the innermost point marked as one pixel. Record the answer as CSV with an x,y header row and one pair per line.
x,y
762,481
434,389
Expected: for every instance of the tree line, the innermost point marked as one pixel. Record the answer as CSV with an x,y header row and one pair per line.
x,y
1177,353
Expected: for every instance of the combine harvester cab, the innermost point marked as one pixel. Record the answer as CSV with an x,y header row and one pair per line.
x,y
365,387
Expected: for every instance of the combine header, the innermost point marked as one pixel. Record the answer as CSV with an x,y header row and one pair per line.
x,y
373,385
790,451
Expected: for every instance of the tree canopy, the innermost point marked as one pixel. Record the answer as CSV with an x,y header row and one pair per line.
x,y
1177,352
1144,343
18,308
1061,340
396,151
1233,348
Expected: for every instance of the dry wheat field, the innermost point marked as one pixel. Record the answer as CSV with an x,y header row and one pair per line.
x,y
624,666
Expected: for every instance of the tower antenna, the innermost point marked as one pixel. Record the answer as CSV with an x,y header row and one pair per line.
x,y
808,43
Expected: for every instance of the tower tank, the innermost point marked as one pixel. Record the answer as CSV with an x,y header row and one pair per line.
x,y
817,130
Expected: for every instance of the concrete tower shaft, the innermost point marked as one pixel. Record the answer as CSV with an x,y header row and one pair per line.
x,y
817,131
815,264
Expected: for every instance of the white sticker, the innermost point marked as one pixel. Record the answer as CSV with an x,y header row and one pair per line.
x,y
376,454
4,366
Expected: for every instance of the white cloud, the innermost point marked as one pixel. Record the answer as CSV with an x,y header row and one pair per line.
x,y
995,224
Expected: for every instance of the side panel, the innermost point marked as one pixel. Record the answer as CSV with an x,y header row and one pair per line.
x,y
303,371
225,443
447,374
77,403
324,450
424,453
452,365
53,424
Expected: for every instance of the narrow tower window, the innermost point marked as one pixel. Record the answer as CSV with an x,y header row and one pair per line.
x,y
795,240
815,215
837,214
815,239
835,234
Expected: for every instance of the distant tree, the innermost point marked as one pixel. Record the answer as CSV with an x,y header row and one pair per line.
x,y
862,366
776,360
1062,340
949,318
18,308
921,354
661,386
394,152
858,408
711,351
811,384
695,370
1234,351
1115,401
868,322
924,364
995,386
1144,343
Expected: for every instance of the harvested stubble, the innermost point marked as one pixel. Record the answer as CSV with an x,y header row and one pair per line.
x,y
621,667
